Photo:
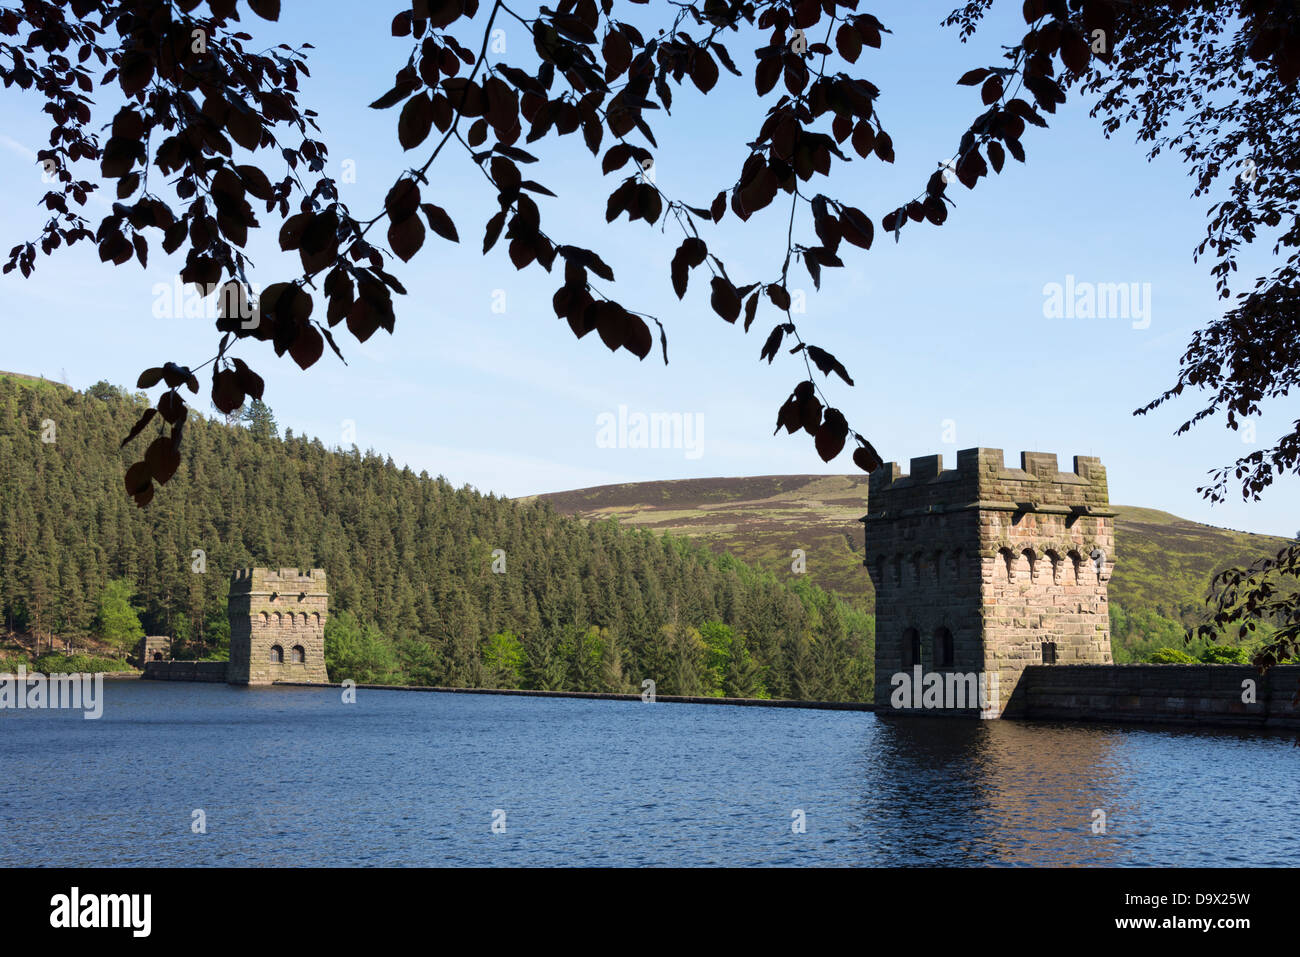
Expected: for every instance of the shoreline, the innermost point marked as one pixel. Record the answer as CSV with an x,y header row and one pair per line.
x,y
603,696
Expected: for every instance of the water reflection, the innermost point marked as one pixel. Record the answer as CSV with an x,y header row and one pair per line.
x,y
998,792
939,791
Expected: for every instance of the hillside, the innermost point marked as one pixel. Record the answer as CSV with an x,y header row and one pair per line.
x,y
416,592
1164,566
33,381
762,519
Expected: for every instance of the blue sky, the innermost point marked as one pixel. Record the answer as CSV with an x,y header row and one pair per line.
x,y
944,333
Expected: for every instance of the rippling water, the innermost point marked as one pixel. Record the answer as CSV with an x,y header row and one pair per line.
x,y
295,777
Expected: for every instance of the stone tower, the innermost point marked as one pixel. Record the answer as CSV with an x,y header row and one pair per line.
x,y
277,626
986,569
153,648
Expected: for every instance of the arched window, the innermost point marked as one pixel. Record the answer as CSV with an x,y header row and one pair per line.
x,y
279,620
1094,562
1076,563
157,656
277,655
938,565
943,648
298,655
911,647
1049,652
1025,565
1004,567
265,618
1055,559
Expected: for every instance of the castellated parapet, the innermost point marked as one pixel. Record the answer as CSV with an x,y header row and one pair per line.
x,y
987,569
277,625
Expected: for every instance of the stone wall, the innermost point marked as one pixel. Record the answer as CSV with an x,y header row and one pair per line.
x,y
985,568
1039,532
1209,695
185,670
277,625
924,564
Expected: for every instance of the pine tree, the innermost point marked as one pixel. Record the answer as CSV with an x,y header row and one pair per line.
x,y
612,678
686,661
744,676
544,667
257,417
584,647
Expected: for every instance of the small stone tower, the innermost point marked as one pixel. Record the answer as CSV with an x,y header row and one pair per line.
x,y
986,569
153,648
277,626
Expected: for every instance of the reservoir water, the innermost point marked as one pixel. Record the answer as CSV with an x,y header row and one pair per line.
x,y
290,776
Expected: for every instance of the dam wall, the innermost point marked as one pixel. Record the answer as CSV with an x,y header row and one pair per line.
x,y
1210,695
186,670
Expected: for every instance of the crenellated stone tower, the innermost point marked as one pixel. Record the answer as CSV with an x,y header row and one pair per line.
x,y
987,569
277,626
